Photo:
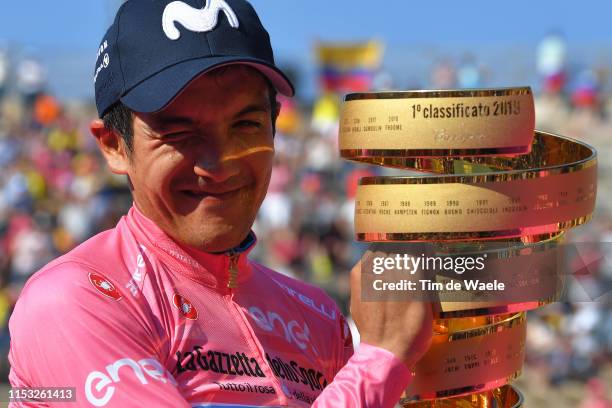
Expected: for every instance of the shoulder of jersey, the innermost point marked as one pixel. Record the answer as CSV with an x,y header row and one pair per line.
x,y
305,294
91,266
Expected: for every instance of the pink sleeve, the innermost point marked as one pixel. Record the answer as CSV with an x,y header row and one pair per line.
x,y
373,377
65,333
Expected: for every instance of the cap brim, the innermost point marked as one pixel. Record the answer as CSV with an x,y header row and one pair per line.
x,y
154,93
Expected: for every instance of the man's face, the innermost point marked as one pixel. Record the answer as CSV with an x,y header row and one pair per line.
x,y
200,168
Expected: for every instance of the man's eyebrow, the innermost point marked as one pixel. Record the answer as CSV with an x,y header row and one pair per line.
x,y
255,107
179,121
161,123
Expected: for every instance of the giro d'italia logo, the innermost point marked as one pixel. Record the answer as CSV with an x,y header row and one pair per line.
x,y
104,286
186,308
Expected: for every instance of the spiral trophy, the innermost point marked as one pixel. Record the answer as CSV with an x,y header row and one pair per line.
x,y
492,193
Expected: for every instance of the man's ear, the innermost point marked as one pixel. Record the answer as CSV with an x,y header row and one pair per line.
x,y
112,147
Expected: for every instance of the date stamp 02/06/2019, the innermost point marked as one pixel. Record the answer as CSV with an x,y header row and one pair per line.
x,y
40,394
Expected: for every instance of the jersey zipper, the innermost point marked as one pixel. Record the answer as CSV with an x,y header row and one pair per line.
x,y
232,281
246,328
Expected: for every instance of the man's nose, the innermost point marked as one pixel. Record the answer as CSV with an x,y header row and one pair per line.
x,y
216,163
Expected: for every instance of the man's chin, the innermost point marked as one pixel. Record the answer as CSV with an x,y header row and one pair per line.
x,y
215,242
210,232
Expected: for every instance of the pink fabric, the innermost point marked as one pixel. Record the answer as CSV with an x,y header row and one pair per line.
x,y
130,318
373,377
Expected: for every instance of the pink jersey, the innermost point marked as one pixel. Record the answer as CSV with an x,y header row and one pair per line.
x,y
132,319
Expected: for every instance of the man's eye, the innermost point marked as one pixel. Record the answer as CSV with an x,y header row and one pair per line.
x,y
248,124
171,137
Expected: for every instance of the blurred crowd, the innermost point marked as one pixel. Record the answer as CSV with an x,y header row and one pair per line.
x,y
55,192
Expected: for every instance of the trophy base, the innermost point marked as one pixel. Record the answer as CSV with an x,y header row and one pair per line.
x,y
502,397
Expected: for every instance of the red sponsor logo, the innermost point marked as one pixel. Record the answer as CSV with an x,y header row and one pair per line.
x,y
186,308
104,286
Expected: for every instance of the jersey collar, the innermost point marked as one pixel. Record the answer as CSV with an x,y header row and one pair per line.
x,y
207,268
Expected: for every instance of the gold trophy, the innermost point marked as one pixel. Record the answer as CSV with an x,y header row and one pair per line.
x,y
490,185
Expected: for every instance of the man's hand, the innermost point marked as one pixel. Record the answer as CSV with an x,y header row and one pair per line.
x,y
402,327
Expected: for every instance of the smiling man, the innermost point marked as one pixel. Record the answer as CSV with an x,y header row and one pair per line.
x,y
166,309
203,163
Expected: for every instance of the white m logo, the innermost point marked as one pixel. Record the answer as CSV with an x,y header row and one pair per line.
x,y
193,19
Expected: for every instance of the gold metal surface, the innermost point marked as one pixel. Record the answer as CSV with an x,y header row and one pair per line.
x,y
502,397
469,355
551,189
485,175
449,122
530,272
550,153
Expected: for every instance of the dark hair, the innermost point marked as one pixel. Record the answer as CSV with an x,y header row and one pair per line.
x,y
119,118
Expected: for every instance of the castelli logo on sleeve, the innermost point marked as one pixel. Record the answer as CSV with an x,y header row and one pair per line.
x,y
104,286
186,308
194,19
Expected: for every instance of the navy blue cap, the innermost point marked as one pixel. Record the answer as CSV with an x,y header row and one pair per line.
x,y
154,48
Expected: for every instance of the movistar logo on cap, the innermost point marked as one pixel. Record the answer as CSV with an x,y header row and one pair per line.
x,y
194,19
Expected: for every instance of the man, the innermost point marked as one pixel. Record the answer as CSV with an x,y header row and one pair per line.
x,y
166,310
